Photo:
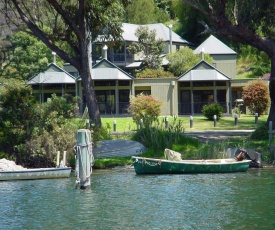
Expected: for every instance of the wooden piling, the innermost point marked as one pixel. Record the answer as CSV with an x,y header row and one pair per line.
x,y
84,157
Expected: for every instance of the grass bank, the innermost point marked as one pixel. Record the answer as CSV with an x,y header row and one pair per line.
x,y
156,140
200,123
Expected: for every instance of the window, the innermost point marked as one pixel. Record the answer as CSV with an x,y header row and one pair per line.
x,y
105,83
184,84
146,90
124,83
202,83
52,86
220,83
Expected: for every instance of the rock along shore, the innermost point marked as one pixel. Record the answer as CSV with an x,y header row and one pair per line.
x,y
7,165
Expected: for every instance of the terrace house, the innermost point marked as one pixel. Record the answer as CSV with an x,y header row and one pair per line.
x,y
114,84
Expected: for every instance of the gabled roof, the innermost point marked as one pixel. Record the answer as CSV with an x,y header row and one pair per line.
x,y
106,70
162,32
203,72
212,45
139,64
52,75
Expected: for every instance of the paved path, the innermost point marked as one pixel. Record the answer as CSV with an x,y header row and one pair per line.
x,y
218,134
123,148
117,148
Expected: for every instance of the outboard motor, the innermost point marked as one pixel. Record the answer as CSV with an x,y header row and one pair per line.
x,y
255,157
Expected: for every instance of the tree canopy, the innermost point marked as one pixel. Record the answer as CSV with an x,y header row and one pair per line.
x,y
148,46
250,22
184,59
73,25
27,56
145,12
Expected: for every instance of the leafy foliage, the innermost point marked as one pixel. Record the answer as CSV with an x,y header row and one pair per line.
x,y
212,109
256,97
158,137
17,114
149,47
28,56
261,132
184,59
145,107
145,12
154,73
252,62
187,25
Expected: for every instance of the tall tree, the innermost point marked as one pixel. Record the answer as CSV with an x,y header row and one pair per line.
x,y
145,12
184,59
250,22
148,46
75,23
27,56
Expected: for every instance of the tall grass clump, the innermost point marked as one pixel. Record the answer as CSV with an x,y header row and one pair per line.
x,y
158,137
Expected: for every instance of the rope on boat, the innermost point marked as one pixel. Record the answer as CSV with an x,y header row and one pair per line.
x,y
144,161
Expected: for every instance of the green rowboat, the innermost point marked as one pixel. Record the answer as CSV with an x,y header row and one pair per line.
x,y
162,166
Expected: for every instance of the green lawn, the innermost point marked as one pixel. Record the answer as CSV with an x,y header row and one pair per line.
x,y
200,123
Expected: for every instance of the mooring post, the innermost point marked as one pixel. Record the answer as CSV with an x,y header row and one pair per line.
x,y
215,120
191,121
57,158
114,125
64,158
256,118
141,123
84,157
166,123
236,119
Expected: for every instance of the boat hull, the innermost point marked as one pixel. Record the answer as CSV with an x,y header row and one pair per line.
x,y
33,174
161,166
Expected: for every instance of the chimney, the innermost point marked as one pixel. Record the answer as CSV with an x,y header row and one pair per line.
x,y
202,53
54,57
105,48
170,37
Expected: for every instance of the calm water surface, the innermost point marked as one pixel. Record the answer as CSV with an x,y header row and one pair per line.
x,y
119,199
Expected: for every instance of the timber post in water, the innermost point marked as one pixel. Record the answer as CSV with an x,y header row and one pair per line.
x,y
84,158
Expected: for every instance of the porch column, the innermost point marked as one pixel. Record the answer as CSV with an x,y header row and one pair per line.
x,y
117,97
40,93
229,97
215,92
125,53
192,99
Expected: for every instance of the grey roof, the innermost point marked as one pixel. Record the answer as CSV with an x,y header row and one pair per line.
x,y
52,75
138,64
203,72
162,32
135,64
106,70
212,45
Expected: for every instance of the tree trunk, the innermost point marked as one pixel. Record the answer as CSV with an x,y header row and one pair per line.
x,y
271,116
89,91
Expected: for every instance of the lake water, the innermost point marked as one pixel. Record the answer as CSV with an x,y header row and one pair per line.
x,y
120,199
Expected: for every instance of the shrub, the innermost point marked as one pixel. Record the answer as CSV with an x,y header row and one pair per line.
x,y
145,107
154,73
212,109
256,96
17,109
184,59
261,133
